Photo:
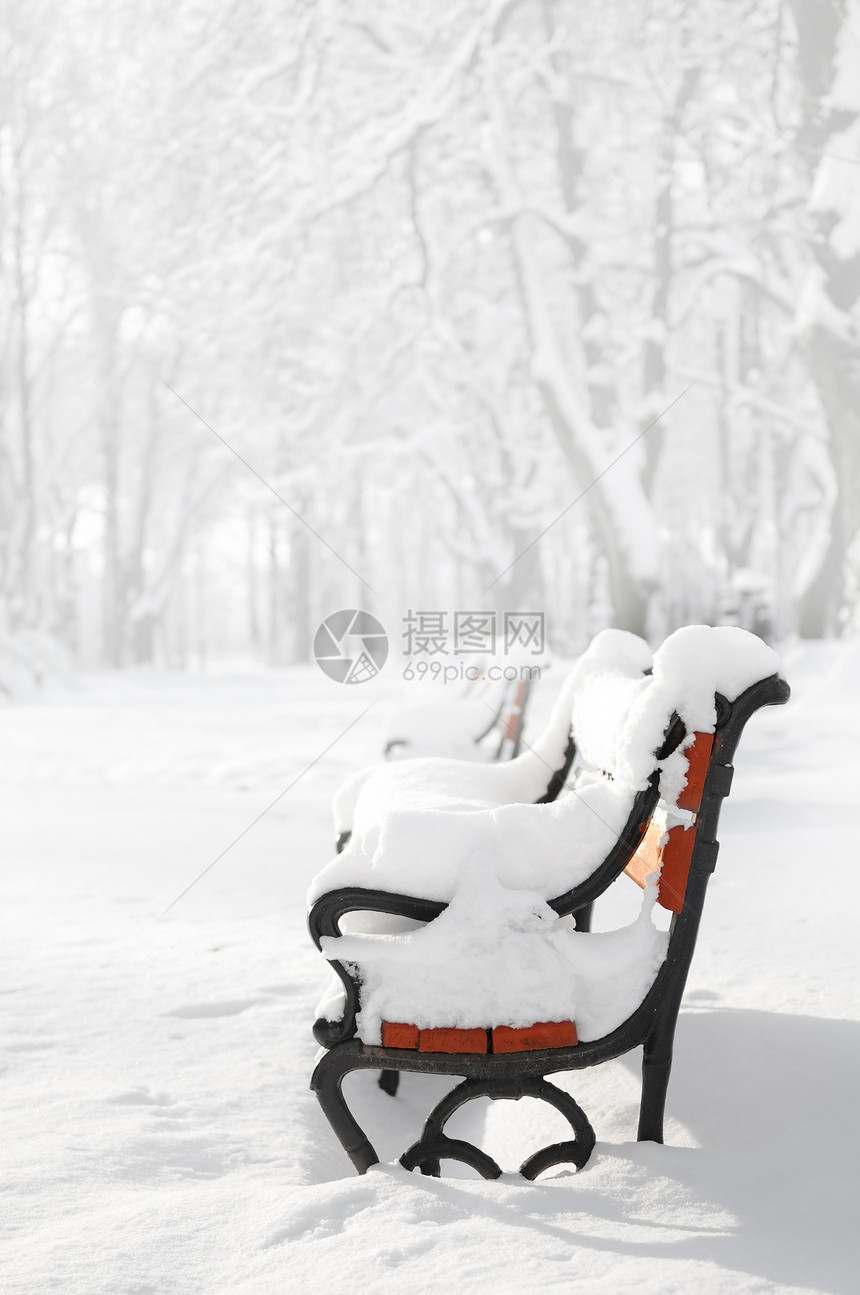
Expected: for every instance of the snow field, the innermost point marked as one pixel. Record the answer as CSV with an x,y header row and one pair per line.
x,y
158,1131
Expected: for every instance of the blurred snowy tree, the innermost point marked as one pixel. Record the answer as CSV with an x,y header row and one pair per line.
x,y
441,276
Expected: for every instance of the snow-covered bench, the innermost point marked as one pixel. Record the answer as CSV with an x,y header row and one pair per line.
x,y
450,917
483,723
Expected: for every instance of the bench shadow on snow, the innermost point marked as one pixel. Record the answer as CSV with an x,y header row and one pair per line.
x,y
771,1100
771,1189
763,817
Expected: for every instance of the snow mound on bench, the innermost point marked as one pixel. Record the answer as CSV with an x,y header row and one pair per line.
x,y
424,851
619,718
498,956
417,824
429,781
693,664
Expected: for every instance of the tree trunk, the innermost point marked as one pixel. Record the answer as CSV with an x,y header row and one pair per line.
x,y
834,355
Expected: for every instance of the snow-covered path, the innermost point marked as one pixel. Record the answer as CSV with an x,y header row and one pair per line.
x,y
158,1131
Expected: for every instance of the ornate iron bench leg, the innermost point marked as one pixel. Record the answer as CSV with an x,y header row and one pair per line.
x,y
389,1082
428,1154
656,1067
657,1057
577,1151
434,1146
326,1083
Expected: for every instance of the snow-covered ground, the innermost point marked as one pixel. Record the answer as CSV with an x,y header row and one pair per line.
x,y
158,1132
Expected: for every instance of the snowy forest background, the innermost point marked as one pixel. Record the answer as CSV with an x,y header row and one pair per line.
x,y
428,269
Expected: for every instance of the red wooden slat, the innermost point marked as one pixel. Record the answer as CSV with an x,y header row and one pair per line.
x,y
528,1038
677,853
397,1035
448,1039
698,757
648,857
672,858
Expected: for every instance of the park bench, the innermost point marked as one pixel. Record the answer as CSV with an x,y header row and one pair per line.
x,y
486,877
483,722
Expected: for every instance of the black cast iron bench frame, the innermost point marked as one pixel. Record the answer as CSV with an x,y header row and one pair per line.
x,y
523,1073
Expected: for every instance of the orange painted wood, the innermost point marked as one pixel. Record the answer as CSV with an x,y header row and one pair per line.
x,y
528,1038
672,858
677,853
637,870
649,856
447,1039
698,757
513,719
397,1035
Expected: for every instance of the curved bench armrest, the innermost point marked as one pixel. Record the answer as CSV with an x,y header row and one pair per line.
x,y
613,865
324,919
772,691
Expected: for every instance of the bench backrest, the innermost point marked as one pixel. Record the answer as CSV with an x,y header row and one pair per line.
x,y
667,846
